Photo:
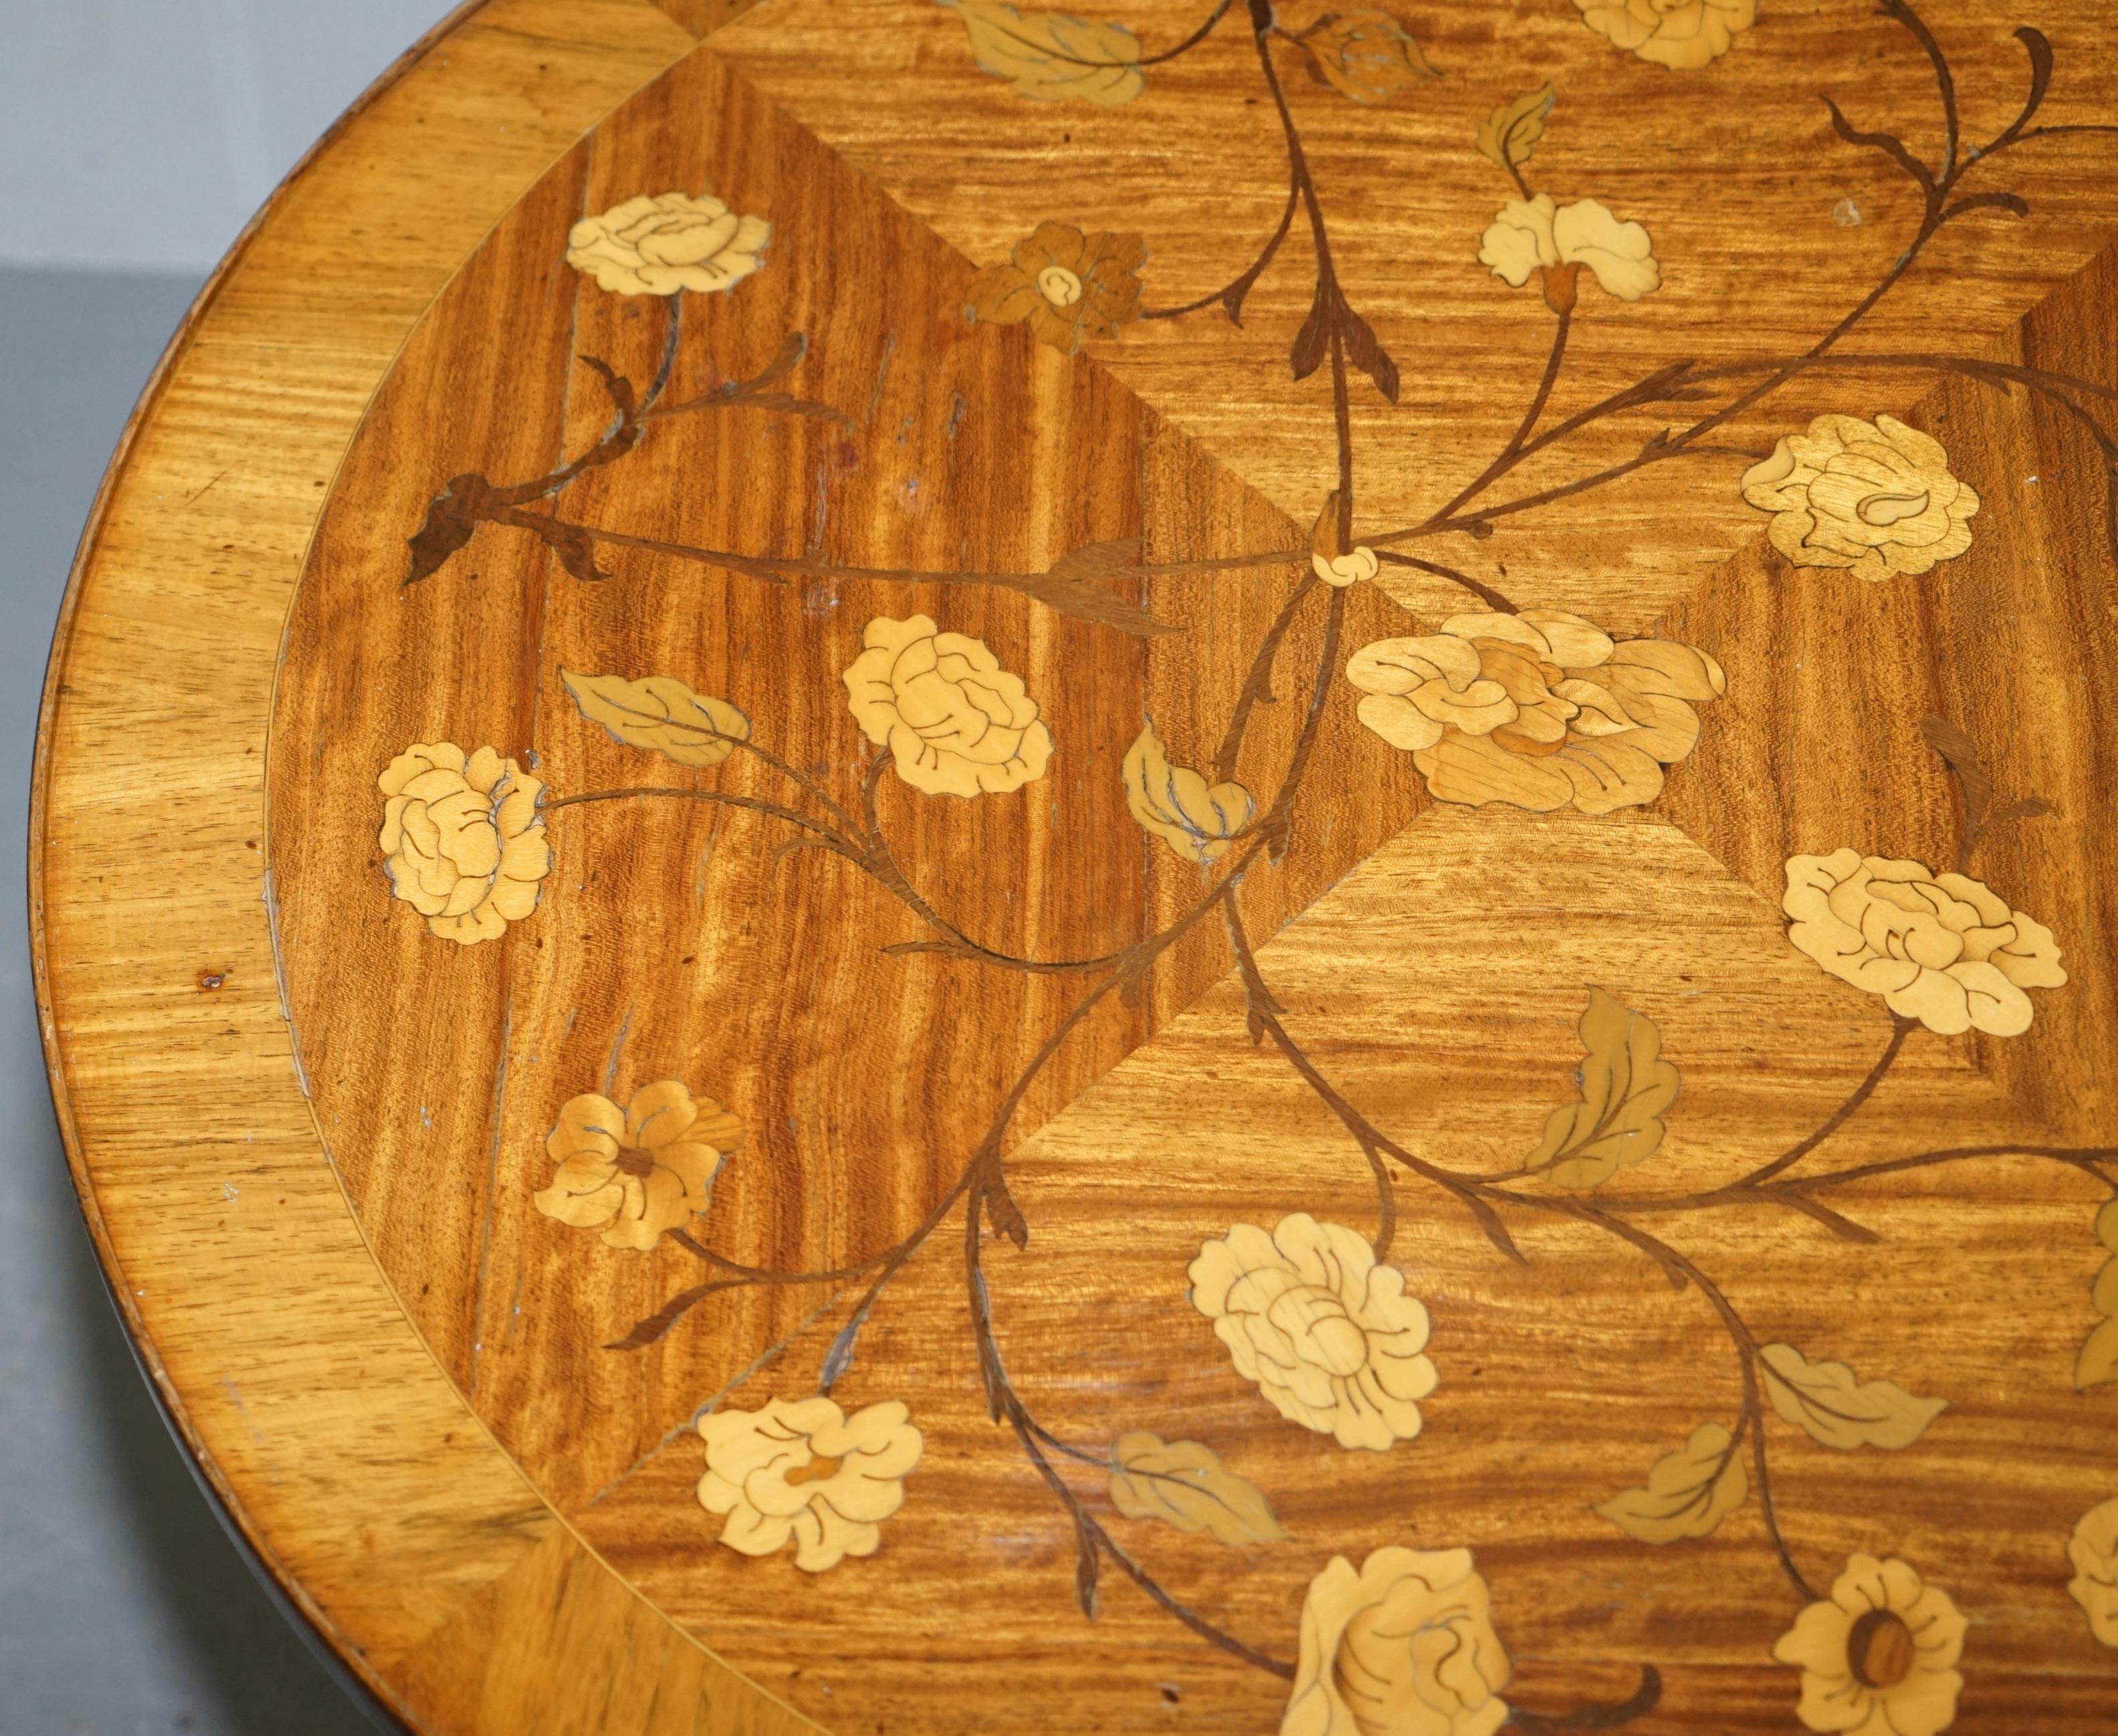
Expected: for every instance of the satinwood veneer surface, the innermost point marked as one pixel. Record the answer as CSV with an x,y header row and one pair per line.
x,y
1160,867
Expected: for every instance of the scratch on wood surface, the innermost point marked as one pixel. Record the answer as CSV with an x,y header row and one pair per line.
x,y
497,1125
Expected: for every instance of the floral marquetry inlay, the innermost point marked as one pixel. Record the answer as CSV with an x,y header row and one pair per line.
x,y
954,722
1875,497
806,1473
1682,34
1067,286
462,840
1063,1055
1540,710
1555,241
638,1172
1328,1335
1403,1647
668,243
1943,948
1878,1656
2093,1551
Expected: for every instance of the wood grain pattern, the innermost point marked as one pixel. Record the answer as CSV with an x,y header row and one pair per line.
x,y
379,1501
997,1070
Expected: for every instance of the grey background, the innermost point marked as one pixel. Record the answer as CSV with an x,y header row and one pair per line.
x,y
136,136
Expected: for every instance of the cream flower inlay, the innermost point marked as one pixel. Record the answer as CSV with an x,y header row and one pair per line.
x,y
664,243
804,1470
1682,34
639,1172
462,841
1539,236
1943,948
1326,1332
1357,564
1404,1647
1541,710
2093,1551
955,722
1878,1657
1874,497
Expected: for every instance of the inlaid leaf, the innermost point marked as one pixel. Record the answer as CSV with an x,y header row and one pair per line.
x,y
1687,1491
660,714
1839,1409
1184,1484
1195,818
1626,1088
2098,1361
1052,56
1508,134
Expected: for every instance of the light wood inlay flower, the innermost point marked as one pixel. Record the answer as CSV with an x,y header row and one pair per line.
x,y
666,243
1067,285
955,722
1943,948
1540,710
1682,34
462,841
1326,1332
804,1472
639,1172
1875,496
1878,1657
1540,236
2093,1551
1403,1647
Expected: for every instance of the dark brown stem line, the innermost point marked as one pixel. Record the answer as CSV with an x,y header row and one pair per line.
x,y
825,837
1238,286
809,786
881,863
2053,132
1266,1010
1297,159
1276,823
1365,1134
1213,18
1008,1404
1257,684
671,332
1901,1027
1342,420
1795,1192
2082,1157
1507,454
1853,361
1484,593
872,854
777,569
1747,1353
1945,82
892,1256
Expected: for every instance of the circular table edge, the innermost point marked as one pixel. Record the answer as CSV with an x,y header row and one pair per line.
x,y
491,1615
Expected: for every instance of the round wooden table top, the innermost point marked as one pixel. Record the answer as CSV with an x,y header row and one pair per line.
x,y
933,868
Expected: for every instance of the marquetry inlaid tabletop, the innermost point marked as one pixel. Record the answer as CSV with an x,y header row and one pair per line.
x,y
933,868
